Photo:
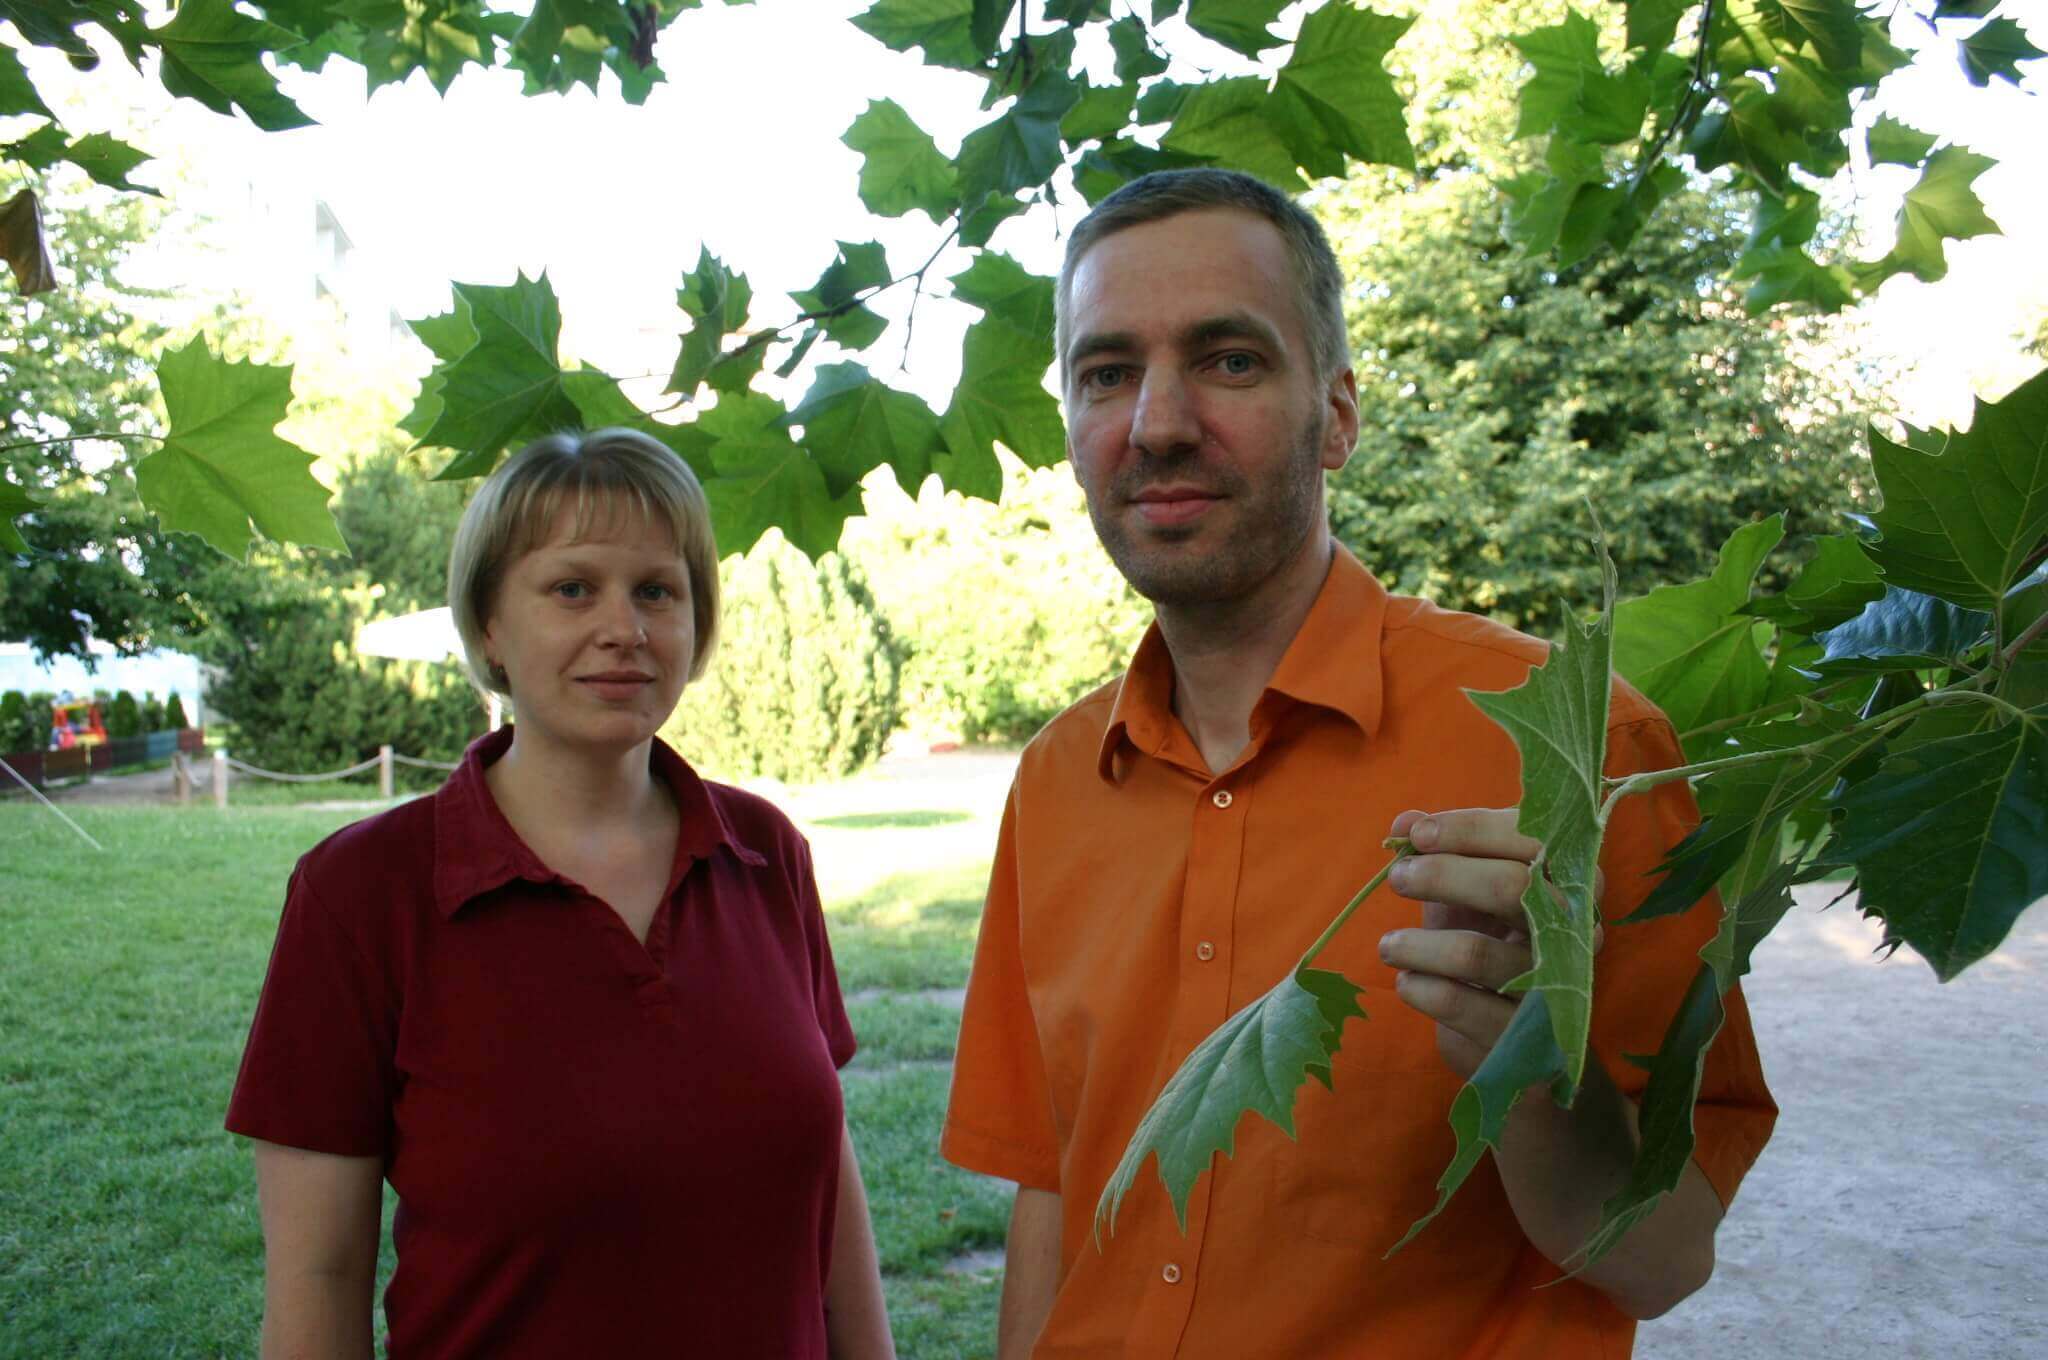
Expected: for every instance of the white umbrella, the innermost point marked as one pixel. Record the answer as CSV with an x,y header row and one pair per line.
x,y
428,635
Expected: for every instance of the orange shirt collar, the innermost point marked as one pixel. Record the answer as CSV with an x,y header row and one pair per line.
x,y
1318,668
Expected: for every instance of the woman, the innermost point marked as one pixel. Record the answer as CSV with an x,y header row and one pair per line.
x,y
577,1007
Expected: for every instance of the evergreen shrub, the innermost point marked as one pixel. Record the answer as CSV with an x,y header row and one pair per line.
x,y
122,716
806,682
152,713
174,713
21,729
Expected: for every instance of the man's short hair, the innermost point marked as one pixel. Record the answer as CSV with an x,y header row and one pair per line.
x,y
602,472
1319,283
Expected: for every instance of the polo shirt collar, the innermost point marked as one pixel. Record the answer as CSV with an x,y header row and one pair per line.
x,y
476,849
1333,663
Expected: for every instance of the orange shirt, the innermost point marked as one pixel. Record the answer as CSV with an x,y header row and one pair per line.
x,y
1137,901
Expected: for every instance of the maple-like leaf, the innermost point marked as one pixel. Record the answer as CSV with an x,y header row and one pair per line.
x,y
1891,142
213,53
1960,520
901,168
24,246
1241,25
223,466
14,501
717,301
602,404
1833,587
448,337
1336,84
1254,1062
856,269
1227,122
507,387
764,480
1135,57
1020,148
1950,839
1100,113
853,423
1996,50
17,92
1940,207
943,28
1693,649
107,160
1000,399
1002,288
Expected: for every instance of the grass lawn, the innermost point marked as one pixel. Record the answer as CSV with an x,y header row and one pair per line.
x,y
128,1219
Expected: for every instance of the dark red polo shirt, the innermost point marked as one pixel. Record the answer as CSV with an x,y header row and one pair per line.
x,y
599,1147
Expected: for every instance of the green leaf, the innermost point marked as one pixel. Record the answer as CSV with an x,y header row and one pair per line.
x,y
507,387
447,337
1950,840
853,423
1004,289
603,405
1830,589
1103,170
1892,142
1997,49
214,54
1336,88
717,299
1783,274
1942,206
1000,399
1020,149
13,502
1963,9
1653,24
1135,59
108,161
17,91
1558,720
856,269
1100,113
943,28
222,466
1563,57
1903,630
1240,25
1959,523
1831,26
902,168
989,18
1227,122
980,223
1254,1062
765,481
1692,649
403,36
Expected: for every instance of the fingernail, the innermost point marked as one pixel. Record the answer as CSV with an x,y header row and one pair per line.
x,y
1423,833
1387,945
1400,874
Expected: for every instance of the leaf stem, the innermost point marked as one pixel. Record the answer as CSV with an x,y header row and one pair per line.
x,y
1685,114
76,438
2023,641
1402,848
1768,710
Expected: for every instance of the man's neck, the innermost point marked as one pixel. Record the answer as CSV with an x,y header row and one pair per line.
x,y
1225,655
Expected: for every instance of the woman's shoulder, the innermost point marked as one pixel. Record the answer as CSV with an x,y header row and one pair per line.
x,y
754,822
367,859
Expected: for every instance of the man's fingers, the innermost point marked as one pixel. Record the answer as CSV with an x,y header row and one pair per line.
x,y
1470,1021
1493,886
1465,956
1483,833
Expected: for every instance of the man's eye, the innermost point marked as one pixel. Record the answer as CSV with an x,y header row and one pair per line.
x,y
1108,376
1238,364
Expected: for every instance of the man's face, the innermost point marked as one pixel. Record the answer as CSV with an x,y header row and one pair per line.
x,y
1195,422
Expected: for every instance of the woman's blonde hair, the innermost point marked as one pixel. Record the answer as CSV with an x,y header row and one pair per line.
x,y
598,472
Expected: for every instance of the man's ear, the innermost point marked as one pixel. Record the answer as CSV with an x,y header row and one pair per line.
x,y
1340,434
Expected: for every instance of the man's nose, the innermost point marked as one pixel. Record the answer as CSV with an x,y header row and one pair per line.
x,y
1164,421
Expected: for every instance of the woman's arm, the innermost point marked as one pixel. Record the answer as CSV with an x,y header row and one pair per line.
x,y
856,1318
321,1218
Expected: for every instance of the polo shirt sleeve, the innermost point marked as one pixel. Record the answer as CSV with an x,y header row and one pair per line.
x,y
999,1121
1644,969
826,1001
319,1071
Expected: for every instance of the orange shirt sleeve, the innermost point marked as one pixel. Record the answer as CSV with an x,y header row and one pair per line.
x,y
999,1120
1644,969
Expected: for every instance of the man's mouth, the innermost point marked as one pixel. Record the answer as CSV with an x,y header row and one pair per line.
x,y
1169,505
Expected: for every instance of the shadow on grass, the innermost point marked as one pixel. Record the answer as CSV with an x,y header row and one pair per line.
x,y
910,819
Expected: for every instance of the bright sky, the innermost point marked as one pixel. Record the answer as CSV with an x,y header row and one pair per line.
x,y
739,151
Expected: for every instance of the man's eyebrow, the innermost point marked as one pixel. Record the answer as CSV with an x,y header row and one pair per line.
x,y
1231,326
1099,342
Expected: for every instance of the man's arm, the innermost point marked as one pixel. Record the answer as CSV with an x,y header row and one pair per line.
x,y
1558,1166
1031,1272
856,1318
321,1217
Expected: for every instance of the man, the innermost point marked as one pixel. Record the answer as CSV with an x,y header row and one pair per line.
x,y
1175,840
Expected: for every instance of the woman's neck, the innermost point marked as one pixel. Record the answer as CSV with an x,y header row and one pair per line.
x,y
536,781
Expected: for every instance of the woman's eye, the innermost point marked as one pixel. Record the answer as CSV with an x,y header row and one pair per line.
x,y
654,590
572,590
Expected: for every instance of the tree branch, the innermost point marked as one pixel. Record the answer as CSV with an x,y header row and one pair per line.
x,y
1686,113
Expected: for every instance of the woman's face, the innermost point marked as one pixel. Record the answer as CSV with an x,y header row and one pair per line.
x,y
595,635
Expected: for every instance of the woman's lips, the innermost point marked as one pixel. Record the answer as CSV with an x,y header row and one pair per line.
x,y
615,687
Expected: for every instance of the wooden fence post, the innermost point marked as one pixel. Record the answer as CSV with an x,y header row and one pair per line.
x,y
181,777
385,783
220,778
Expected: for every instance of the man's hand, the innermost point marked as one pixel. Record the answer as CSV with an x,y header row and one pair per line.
x,y
1469,870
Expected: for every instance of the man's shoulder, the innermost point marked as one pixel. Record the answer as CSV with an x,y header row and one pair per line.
x,y
1074,735
1477,652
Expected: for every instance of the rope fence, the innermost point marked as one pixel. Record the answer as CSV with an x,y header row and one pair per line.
x,y
385,763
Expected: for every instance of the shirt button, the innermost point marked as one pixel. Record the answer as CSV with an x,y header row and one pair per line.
x,y
1171,1274
1205,951
1221,798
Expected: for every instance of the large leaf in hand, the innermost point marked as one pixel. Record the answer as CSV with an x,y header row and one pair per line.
x,y
13,501
1692,649
1336,85
214,54
901,168
765,481
853,422
508,385
1558,720
1240,25
1254,1062
222,465
1959,522
1950,839
1000,399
